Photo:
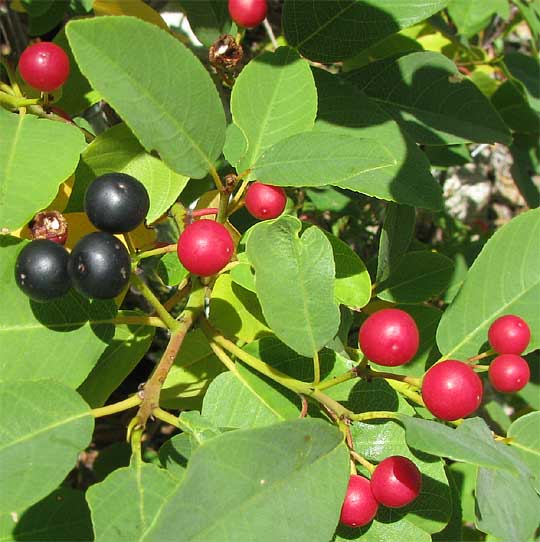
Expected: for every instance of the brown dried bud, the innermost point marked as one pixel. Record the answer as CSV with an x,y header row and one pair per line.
x,y
225,53
49,225
230,182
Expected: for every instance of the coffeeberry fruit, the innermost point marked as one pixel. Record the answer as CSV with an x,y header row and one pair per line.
x,y
116,202
451,390
248,13
509,373
41,270
509,334
99,266
44,66
264,201
389,337
396,482
205,247
359,506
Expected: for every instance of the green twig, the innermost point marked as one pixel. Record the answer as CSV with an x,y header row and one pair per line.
x,y
126,404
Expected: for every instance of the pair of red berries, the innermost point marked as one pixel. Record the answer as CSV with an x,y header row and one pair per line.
x,y
395,482
44,66
206,247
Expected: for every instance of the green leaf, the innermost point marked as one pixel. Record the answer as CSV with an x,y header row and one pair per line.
x,y
510,100
44,425
77,94
235,146
175,454
296,471
526,69
208,19
150,91
525,151
431,510
353,284
200,429
26,144
335,30
389,531
396,235
171,271
471,442
194,368
464,475
453,530
129,345
297,297
243,274
244,399
274,97
345,110
117,150
471,16
433,102
60,339
507,505
46,21
236,311
62,515
502,280
419,276
447,156
125,504
525,438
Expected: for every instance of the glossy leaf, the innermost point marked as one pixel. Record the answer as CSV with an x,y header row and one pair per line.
x,y
396,234
117,150
471,442
525,439
433,102
297,297
62,515
150,91
335,30
274,97
236,311
194,368
353,284
69,327
419,276
502,280
472,16
508,506
300,467
129,345
44,425
125,504
26,185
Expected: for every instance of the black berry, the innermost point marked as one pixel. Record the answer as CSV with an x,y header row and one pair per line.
x,y
116,202
99,266
41,271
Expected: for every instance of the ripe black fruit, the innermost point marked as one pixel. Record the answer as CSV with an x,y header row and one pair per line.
x,y
116,202
41,271
99,266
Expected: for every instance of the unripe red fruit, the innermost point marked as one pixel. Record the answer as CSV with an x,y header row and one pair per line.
x,y
389,337
396,481
451,390
509,335
44,66
509,373
264,201
359,506
247,13
205,247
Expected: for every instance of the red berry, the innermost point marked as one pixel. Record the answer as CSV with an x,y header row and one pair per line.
x,y
247,13
451,390
205,247
389,337
264,201
509,335
509,373
359,506
44,66
396,481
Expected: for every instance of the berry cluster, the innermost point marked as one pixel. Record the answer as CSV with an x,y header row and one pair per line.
x,y
99,265
395,482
